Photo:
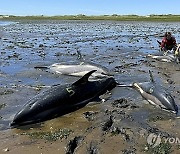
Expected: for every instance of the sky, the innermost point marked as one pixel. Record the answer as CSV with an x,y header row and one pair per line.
x,y
88,7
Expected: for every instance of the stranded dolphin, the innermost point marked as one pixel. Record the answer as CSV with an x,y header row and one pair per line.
x,y
76,69
62,99
168,56
165,58
155,94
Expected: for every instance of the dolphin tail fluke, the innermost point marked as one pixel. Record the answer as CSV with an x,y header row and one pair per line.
x,y
125,85
41,67
84,79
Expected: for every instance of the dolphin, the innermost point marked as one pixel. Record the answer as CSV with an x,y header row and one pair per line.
x,y
167,56
77,69
155,94
164,58
62,99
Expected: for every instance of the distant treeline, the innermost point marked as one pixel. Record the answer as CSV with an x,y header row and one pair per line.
x,y
116,17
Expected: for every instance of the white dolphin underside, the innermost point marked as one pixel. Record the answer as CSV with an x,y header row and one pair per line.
x,y
77,70
164,58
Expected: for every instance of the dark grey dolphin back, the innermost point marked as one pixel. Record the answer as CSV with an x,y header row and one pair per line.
x,y
161,94
84,79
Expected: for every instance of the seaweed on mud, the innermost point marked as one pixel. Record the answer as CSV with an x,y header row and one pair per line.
x,y
2,106
50,136
162,148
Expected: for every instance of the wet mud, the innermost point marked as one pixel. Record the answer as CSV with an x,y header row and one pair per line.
x,y
121,120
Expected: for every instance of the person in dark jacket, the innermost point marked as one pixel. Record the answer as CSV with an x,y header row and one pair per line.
x,y
168,42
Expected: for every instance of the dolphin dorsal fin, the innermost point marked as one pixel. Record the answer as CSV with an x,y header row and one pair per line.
x,y
151,77
84,79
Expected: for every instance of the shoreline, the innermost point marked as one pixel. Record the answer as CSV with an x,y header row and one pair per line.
x,y
153,18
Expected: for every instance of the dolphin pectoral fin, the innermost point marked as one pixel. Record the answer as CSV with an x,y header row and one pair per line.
x,y
125,85
84,79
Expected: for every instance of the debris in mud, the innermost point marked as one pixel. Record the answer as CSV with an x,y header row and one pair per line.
x,y
92,149
6,92
90,115
50,136
73,144
107,125
2,106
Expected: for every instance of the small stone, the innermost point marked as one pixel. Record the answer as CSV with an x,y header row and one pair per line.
x,y
146,148
103,100
6,149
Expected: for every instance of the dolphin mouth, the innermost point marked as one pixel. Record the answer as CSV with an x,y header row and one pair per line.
x,y
171,111
16,124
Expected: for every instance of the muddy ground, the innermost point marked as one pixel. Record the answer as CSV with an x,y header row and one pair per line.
x,y
119,124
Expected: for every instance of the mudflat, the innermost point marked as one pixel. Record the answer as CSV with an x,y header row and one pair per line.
x,y
121,121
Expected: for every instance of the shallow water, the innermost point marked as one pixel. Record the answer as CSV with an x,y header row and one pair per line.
x,y
121,47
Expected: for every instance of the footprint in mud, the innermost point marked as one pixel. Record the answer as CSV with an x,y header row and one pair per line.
x,y
107,124
73,144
